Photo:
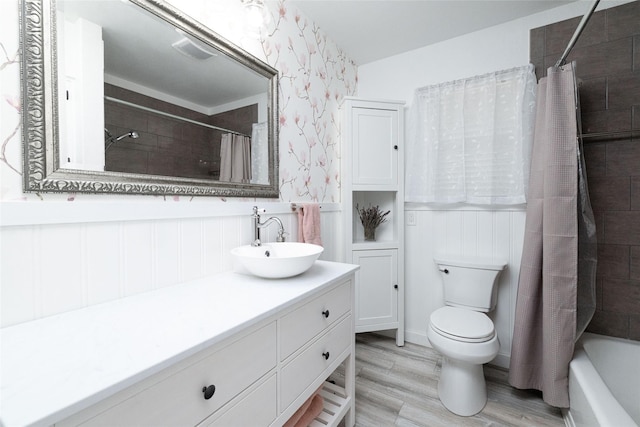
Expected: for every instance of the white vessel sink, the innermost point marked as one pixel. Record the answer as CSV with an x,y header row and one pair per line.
x,y
277,260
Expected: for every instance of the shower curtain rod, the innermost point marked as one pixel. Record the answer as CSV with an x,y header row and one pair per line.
x,y
576,34
173,116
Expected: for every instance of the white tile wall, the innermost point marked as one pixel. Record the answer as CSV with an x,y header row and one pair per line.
x,y
49,268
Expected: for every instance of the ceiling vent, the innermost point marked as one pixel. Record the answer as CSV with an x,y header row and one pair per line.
x,y
188,48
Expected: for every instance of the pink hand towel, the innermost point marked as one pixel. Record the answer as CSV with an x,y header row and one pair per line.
x,y
309,224
293,421
309,410
312,412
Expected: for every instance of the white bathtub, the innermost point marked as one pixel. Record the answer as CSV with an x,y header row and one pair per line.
x,y
604,383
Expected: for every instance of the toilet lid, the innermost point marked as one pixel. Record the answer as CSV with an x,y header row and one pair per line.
x,y
462,325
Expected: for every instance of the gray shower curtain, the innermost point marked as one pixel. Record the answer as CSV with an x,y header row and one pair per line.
x,y
556,288
235,158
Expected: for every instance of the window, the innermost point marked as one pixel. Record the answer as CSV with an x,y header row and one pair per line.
x,y
469,141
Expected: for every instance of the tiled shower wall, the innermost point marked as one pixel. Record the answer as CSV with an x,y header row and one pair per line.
x,y
166,146
608,68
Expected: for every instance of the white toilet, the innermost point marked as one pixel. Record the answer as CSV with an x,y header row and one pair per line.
x,y
462,333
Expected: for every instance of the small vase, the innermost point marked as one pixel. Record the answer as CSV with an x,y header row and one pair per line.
x,y
370,233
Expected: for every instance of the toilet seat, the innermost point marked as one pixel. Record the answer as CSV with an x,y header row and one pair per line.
x,y
462,325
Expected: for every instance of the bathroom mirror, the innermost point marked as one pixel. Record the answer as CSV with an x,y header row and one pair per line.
x,y
135,97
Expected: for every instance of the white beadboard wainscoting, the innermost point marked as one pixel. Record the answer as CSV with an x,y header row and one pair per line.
x,y
62,256
469,231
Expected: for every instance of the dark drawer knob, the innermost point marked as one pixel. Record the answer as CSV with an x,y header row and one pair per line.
x,y
325,355
209,391
326,314
395,147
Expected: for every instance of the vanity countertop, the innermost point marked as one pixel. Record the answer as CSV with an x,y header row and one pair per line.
x,y
56,366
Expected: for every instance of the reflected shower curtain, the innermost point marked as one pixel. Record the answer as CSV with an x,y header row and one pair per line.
x,y
556,289
235,158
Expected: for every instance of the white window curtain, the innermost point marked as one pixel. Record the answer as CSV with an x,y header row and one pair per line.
x,y
469,141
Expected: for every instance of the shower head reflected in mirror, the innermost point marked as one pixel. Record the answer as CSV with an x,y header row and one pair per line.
x,y
131,134
110,139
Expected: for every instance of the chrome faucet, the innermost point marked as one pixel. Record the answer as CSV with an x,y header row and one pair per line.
x,y
257,225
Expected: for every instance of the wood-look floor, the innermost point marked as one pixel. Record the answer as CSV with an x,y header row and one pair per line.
x,y
397,386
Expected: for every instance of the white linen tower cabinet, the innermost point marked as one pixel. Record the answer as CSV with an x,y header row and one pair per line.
x,y
373,175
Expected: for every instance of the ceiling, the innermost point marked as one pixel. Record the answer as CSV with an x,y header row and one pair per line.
x,y
369,30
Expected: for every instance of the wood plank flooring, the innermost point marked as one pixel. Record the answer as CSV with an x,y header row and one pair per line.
x,y
397,386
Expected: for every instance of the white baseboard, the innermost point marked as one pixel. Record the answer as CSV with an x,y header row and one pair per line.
x,y
502,360
419,338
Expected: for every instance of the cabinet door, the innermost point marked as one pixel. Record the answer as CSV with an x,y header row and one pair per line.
x,y
376,290
375,146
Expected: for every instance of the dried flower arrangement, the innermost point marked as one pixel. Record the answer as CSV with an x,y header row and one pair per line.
x,y
371,218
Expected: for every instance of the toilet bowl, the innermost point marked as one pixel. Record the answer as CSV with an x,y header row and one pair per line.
x,y
467,340
463,333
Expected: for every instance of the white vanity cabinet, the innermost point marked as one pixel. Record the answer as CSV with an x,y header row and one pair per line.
x,y
274,344
373,147
177,396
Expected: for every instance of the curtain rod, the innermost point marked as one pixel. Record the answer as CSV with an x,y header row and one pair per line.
x,y
173,116
576,34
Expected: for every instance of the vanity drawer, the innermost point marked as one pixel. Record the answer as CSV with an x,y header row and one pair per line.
x,y
308,365
258,408
179,398
301,325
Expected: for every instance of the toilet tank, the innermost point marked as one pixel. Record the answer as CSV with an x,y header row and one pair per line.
x,y
470,282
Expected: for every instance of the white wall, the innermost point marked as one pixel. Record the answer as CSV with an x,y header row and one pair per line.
x,y
471,230
61,256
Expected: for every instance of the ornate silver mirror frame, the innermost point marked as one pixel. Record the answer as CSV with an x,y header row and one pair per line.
x,y
41,162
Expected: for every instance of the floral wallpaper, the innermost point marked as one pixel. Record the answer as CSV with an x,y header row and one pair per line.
x,y
315,76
